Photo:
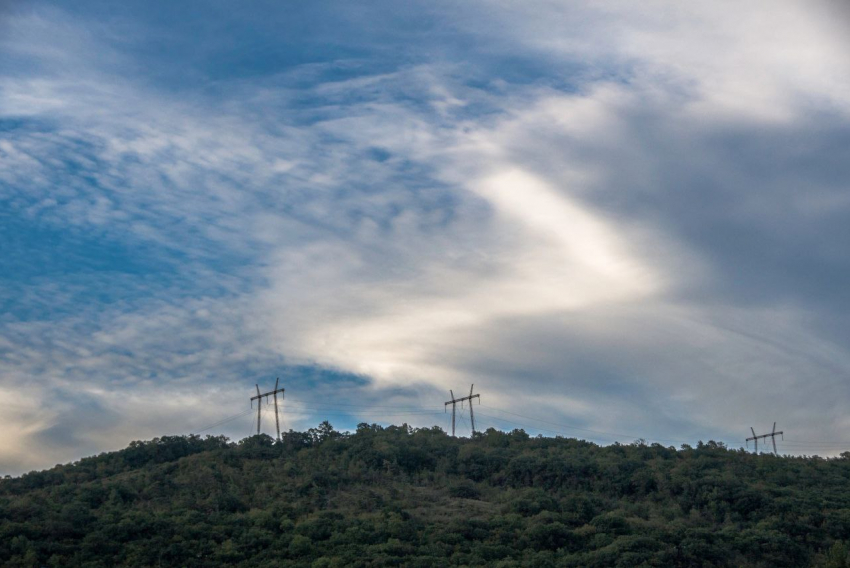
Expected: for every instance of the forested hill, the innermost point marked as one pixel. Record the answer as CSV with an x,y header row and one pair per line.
x,y
399,496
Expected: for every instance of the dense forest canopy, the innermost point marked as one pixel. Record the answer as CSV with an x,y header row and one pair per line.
x,y
399,496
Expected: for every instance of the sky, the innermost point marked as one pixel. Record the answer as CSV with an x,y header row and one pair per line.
x,y
618,220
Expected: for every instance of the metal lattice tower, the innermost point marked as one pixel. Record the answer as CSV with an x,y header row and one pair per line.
x,y
259,399
454,401
772,437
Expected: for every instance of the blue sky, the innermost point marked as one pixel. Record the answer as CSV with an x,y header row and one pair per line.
x,y
623,221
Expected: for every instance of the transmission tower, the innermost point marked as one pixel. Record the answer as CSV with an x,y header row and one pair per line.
x,y
454,401
259,399
772,437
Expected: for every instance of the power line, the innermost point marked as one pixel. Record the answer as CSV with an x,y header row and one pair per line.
x,y
822,442
419,411
616,436
317,403
223,421
306,408
505,420
560,425
463,421
798,445
351,412
347,414
426,411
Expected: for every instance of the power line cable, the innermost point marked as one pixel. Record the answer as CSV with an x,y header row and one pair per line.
x,y
319,403
354,412
616,436
567,427
223,421
327,408
306,408
463,420
817,442
531,427
358,415
556,423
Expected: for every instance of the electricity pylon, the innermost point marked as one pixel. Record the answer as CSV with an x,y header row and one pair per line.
x,y
772,437
454,402
259,399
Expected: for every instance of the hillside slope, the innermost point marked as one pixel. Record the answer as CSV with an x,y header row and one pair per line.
x,y
398,496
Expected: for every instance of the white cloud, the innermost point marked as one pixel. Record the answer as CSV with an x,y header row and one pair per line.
x,y
548,255
751,62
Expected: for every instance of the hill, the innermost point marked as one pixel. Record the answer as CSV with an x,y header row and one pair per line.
x,y
399,496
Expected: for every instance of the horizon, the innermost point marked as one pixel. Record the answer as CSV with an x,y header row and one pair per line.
x,y
698,445
530,430
610,218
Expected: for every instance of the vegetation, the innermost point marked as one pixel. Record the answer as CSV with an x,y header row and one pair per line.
x,y
400,496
